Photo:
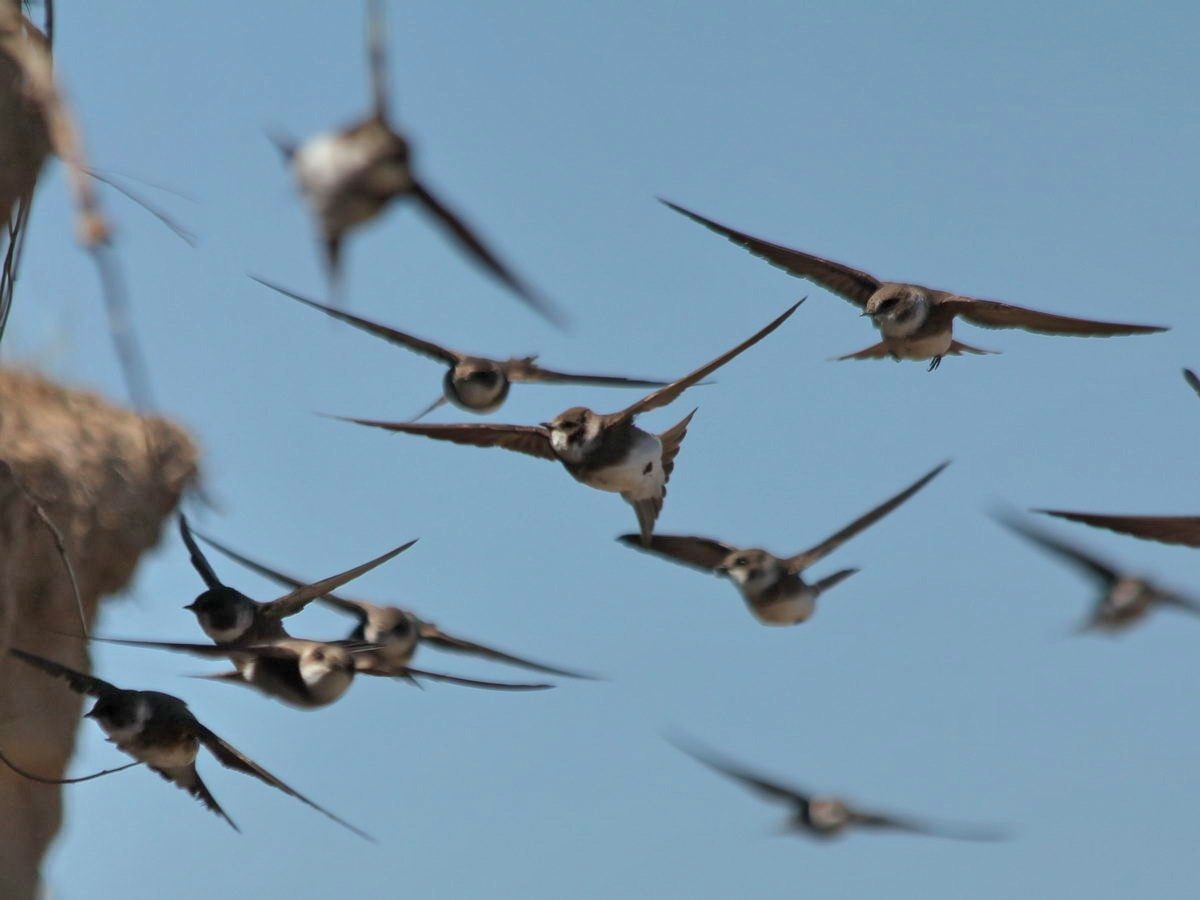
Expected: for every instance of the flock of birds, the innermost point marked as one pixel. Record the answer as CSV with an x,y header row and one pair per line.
x,y
349,177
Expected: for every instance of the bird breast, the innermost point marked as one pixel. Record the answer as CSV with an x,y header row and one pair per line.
x,y
170,755
345,180
788,601
475,394
638,474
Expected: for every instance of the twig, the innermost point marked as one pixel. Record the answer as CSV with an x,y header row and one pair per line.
x,y
57,536
38,778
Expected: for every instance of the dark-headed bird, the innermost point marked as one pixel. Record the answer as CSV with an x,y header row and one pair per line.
x,y
228,616
307,674
607,452
916,322
160,731
350,176
478,384
772,586
397,632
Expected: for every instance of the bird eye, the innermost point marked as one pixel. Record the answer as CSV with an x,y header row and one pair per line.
x,y
741,561
318,655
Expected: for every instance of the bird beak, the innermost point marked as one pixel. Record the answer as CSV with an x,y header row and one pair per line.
x,y
90,714
722,570
545,425
865,313
191,605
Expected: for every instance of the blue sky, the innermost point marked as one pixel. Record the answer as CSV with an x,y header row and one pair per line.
x,y
1039,154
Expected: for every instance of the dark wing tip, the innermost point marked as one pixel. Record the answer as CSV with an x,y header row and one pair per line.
x,y
1190,377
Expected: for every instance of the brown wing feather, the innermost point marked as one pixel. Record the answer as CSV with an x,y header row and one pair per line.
x,y
292,603
527,370
850,284
808,557
232,758
668,394
431,634
411,342
528,439
698,552
188,778
994,314
482,254
79,682
1165,529
351,606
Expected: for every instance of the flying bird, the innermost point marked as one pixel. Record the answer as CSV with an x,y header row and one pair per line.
x,y
350,176
228,616
160,731
397,632
307,674
1126,598
916,322
772,586
478,384
829,817
605,451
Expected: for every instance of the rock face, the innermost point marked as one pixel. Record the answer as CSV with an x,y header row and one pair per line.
x,y
107,479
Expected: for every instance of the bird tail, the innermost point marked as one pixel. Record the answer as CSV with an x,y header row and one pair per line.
x,y
837,577
957,348
875,351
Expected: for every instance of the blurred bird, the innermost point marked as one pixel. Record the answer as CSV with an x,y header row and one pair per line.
x,y
772,586
228,616
476,383
160,731
397,632
606,452
350,176
917,322
307,674
829,817
1126,598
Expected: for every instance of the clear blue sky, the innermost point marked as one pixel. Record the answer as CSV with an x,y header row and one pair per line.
x,y
1043,154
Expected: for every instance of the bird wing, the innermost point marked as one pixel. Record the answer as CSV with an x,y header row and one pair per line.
x,y
770,789
531,440
1180,602
377,58
188,778
912,826
78,682
403,339
292,603
850,284
1190,377
1165,529
476,248
350,606
994,314
805,559
1090,564
232,758
690,550
466,682
670,392
432,634
526,369
199,562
